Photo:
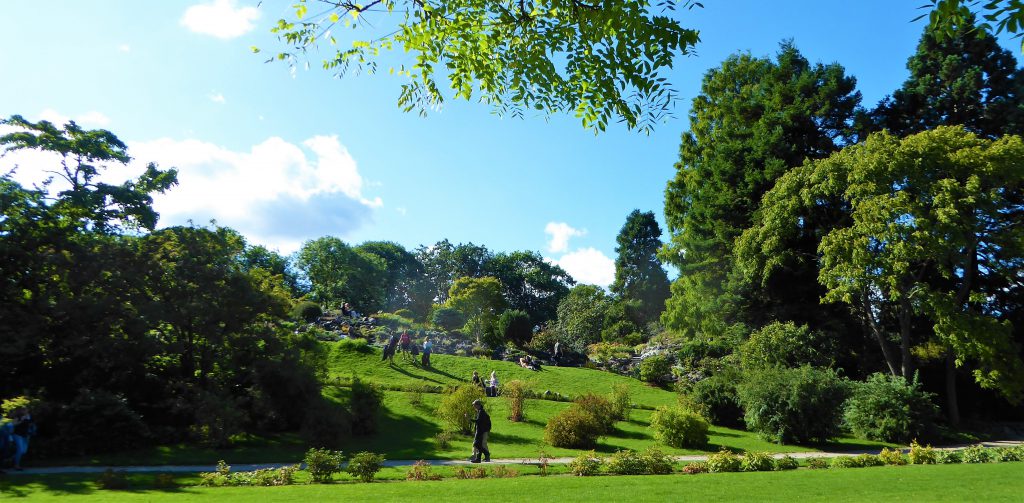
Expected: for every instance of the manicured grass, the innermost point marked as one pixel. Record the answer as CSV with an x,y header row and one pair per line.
x,y
447,370
934,483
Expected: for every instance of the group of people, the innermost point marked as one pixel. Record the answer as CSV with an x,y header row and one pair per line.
x,y
14,437
407,346
490,386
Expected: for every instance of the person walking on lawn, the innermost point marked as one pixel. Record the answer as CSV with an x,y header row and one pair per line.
x,y
483,428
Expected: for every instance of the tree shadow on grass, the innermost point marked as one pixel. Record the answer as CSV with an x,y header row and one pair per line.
x,y
414,376
504,438
78,484
618,433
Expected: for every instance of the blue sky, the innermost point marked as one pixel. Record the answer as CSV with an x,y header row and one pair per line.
x,y
285,157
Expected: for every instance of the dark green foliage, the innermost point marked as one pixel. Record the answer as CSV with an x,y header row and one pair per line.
x,y
755,119
514,326
77,424
787,345
456,407
364,406
402,281
621,402
322,464
448,318
718,399
306,311
530,284
638,272
112,480
786,463
581,316
678,427
817,463
326,424
365,465
629,462
798,405
599,407
655,369
757,462
624,322
338,273
890,409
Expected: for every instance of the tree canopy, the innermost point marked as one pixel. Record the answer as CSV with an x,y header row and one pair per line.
x,y
601,61
638,272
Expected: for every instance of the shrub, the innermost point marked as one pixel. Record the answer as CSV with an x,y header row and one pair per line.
x,y
678,427
306,311
890,409
866,460
515,392
325,424
322,464
358,345
365,465
948,457
976,454
599,407
817,463
405,313
84,424
472,473
112,480
786,345
1009,454
514,326
656,462
757,462
718,399
585,465
573,428
621,402
420,470
844,462
443,440
603,352
393,321
793,405
447,318
786,463
892,457
626,462
456,407
695,468
921,455
723,461
283,476
364,406
655,369
503,472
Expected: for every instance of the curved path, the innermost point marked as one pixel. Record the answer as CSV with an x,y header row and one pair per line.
x,y
406,462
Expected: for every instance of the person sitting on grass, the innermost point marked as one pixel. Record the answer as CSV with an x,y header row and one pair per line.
x,y
492,389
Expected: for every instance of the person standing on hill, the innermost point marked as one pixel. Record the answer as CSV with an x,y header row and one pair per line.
x,y
427,347
482,421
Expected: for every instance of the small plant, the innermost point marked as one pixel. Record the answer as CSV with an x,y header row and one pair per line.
x,y
723,461
365,465
322,464
473,473
757,462
656,462
866,460
890,408
416,398
655,369
786,463
585,465
948,457
678,427
543,460
515,392
620,400
456,407
599,407
503,472
976,454
793,405
844,462
892,457
1009,454
695,468
817,463
420,470
112,480
921,455
443,440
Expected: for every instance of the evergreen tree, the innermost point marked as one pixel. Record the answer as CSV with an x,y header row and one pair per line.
x,y
638,272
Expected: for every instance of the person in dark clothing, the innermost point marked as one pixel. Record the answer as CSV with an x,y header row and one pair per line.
x,y
483,428
24,428
389,349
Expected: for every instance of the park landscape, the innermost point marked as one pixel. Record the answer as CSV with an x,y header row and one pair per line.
x,y
842,321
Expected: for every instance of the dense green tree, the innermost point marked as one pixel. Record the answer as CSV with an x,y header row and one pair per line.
x,y
259,257
960,78
404,283
754,120
948,16
444,262
479,300
600,61
638,272
530,284
513,326
337,273
935,230
447,318
581,316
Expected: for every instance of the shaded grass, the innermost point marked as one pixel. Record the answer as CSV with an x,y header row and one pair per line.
x,y
939,483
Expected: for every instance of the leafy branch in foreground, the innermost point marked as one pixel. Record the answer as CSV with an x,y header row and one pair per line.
x,y
600,61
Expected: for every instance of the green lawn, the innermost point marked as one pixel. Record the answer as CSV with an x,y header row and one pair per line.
x,y
934,483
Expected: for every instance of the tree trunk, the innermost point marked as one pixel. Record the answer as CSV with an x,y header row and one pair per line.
x,y
904,316
876,330
953,408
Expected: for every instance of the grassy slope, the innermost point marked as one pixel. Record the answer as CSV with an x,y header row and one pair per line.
x,y
955,483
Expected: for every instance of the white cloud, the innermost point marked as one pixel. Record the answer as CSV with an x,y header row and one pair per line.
x,y
93,118
588,265
220,18
560,233
217,98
